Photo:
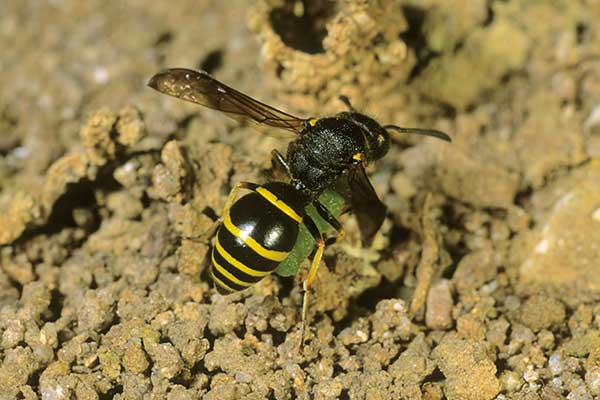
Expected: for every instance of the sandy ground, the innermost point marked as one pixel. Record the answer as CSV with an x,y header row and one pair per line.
x,y
484,282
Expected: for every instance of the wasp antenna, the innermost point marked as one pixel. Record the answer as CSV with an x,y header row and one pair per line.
x,y
344,99
424,132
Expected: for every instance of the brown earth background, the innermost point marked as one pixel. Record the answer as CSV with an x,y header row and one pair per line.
x,y
484,282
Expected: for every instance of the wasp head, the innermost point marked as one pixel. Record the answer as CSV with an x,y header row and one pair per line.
x,y
377,139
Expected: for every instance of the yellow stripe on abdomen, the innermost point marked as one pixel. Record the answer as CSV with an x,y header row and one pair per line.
x,y
280,204
272,255
221,283
236,263
227,274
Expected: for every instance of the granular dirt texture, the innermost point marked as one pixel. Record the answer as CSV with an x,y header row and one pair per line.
x,y
484,282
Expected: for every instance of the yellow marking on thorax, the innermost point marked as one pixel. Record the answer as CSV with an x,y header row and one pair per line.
x,y
228,274
236,263
272,255
312,121
287,210
358,157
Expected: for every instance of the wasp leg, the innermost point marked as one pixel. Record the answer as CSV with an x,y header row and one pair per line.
x,y
321,243
279,161
314,231
210,232
346,101
331,220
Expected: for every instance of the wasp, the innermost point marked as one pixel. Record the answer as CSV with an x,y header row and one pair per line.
x,y
257,231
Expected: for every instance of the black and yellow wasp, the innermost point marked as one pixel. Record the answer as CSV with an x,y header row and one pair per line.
x,y
259,230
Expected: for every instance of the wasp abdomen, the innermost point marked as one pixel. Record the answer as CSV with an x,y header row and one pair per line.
x,y
258,233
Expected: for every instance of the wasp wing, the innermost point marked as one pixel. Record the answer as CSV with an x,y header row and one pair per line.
x,y
368,209
201,88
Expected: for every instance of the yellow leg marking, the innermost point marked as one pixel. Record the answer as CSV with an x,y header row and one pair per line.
x,y
272,255
232,196
308,284
314,266
287,210
210,232
341,235
237,264
228,274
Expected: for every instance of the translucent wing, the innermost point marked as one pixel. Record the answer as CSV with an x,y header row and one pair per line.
x,y
200,88
368,209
